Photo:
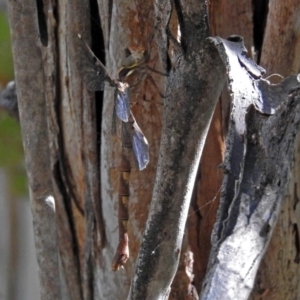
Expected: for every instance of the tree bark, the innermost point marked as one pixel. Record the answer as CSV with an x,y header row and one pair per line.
x,y
30,81
225,18
181,147
72,159
48,61
253,186
278,274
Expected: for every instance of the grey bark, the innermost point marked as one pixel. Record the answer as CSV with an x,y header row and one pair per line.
x,y
57,117
194,86
29,78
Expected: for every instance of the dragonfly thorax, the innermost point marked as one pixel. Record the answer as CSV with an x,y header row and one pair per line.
x,y
122,86
135,59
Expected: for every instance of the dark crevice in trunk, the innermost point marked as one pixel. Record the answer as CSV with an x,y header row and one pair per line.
x,y
110,8
260,13
296,228
42,22
57,174
297,244
196,210
98,48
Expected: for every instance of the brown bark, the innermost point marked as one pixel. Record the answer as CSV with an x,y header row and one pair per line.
x,y
230,17
281,46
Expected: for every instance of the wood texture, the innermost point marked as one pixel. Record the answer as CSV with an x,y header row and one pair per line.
x,y
230,17
281,46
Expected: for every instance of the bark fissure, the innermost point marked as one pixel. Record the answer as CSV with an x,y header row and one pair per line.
x,y
42,22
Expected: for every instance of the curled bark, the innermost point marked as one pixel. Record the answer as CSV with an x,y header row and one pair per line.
x,y
264,121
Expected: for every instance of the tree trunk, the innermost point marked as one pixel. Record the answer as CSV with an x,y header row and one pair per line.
x,y
72,159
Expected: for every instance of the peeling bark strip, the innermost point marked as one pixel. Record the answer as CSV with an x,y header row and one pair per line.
x,y
194,86
264,121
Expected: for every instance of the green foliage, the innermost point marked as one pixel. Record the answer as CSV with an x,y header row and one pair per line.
x,y
11,150
11,154
6,65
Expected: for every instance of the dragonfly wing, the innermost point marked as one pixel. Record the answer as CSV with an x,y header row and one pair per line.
x,y
93,81
95,73
133,137
114,121
140,147
122,106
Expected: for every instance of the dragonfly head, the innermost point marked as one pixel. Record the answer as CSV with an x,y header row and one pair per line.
x,y
136,58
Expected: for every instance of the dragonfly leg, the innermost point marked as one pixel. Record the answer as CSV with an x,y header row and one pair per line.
x,y
156,87
155,71
174,41
137,82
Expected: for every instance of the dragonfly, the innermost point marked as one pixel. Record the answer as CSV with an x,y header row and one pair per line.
x,y
132,137
95,78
